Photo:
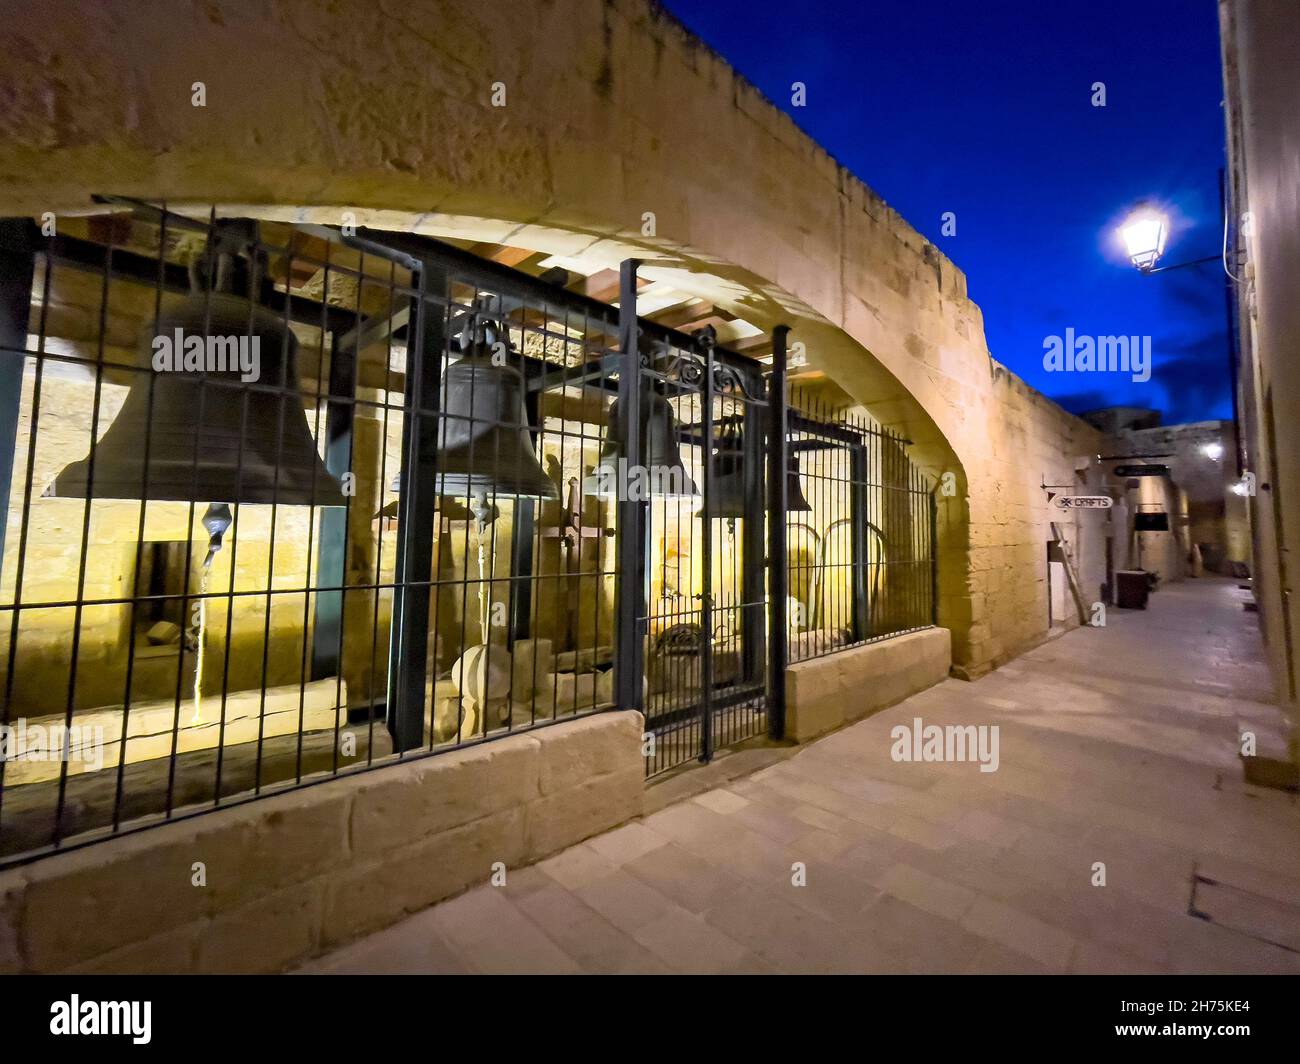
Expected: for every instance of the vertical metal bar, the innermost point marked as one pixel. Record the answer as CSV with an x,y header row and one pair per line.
x,y
416,507
778,585
706,563
934,557
330,561
379,542
859,542
522,525
78,609
629,583
17,268
753,579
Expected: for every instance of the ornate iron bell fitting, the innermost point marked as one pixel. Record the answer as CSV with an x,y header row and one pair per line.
x,y
484,327
232,241
707,336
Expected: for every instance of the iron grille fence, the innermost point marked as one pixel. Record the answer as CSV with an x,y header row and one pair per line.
x,y
860,524
341,555
705,608
283,503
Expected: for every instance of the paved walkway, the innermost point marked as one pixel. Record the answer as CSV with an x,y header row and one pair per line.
x,y
1117,745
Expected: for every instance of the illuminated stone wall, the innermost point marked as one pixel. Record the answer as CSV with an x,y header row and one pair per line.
x,y
619,114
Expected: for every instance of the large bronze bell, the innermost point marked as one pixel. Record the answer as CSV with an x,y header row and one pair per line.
x,y
220,441
727,487
484,443
668,476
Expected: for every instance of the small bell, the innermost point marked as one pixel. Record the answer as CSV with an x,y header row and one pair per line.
x,y
485,444
668,475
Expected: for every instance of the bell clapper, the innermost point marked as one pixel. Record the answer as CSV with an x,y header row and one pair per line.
x,y
483,516
216,519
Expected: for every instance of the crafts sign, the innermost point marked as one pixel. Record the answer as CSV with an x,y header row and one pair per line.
x,y
1083,502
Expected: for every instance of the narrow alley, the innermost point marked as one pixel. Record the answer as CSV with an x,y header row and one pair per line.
x,y
1117,758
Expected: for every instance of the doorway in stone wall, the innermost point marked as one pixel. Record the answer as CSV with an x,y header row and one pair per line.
x,y
1058,589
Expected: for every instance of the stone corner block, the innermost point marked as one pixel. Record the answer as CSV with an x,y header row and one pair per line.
x,y
824,693
562,818
578,751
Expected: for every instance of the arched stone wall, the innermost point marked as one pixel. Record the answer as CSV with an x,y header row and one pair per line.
x,y
611,110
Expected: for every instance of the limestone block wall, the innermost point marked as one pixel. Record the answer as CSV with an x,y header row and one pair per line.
x,y
825,693
609,121
294,875
1032,442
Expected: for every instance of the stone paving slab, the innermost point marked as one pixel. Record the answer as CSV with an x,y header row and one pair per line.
x,y
1117,749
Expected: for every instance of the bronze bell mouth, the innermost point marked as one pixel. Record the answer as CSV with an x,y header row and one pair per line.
x,y
667,474
208,434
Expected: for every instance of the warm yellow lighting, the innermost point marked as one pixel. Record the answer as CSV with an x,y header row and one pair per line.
x,y
1144,234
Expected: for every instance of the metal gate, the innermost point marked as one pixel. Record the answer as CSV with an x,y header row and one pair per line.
x,y
695,421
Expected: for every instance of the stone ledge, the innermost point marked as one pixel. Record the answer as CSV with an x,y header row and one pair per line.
x,y
826,693
303,871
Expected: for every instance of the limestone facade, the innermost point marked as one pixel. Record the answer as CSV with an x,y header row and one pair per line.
x,y
626,137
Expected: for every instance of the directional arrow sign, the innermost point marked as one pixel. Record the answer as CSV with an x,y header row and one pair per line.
x,y
1083,502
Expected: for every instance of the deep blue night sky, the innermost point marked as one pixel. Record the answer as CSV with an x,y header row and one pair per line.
x,y
984,109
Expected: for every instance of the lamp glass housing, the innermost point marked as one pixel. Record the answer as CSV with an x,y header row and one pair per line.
x,y
1144,237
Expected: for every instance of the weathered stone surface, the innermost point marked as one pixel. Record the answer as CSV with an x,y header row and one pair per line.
x,y
405,803
171,953
825,693
266,935
375,893
11,898
291,838
564,817
85,903
318,865
578,751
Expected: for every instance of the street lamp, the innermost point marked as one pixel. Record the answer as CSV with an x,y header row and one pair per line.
x,y
1143,233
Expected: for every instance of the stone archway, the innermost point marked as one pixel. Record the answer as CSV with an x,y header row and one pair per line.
x,y
627,134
